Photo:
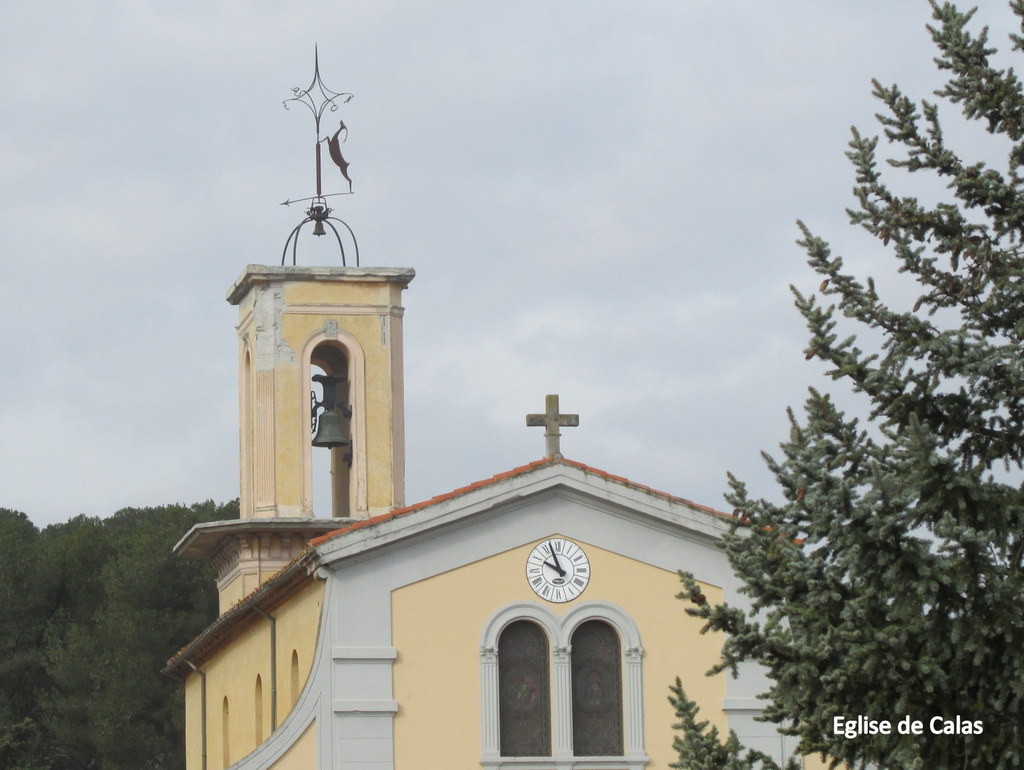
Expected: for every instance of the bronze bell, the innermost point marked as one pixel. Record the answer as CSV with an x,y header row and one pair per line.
x,y
328,430
318,228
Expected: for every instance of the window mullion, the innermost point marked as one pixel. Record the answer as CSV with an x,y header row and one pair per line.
x,y
561,697
489,702
633,701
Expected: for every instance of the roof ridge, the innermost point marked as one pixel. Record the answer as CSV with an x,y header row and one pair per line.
x,y
406,509
517,471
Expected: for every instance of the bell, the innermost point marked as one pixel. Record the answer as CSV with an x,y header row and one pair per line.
x,y
318,228
328,431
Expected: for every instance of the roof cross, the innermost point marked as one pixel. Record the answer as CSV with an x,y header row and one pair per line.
x,y
551,421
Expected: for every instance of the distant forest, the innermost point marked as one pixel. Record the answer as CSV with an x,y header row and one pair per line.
x,y
90,611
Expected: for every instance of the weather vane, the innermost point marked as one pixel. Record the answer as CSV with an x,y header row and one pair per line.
x,y
318,98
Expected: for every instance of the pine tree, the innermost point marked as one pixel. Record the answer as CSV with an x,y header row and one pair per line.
x,y
889,583
105,659
92,610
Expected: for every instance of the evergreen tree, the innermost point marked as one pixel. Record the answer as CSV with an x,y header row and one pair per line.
x,y
93,608
25,602
106,666
889,582
699,745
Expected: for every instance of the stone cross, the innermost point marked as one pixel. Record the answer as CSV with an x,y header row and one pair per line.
x,y
551,421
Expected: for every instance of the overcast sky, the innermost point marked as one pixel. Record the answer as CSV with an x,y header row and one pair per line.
x,y
599,200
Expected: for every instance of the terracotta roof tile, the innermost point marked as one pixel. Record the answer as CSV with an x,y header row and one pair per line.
x,y
222,627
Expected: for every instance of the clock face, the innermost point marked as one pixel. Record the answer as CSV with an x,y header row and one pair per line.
x,y
558,570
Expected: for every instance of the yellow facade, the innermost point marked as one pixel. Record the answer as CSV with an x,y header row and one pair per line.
x,y
302,754
235,590
817,763
239,712
437,672
232,591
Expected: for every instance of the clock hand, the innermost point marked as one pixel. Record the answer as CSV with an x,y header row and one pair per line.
x,y
556,568
556,565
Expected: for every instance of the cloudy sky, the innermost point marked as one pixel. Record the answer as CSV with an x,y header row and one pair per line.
x,y
599,199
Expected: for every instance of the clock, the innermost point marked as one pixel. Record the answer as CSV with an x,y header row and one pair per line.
x,y
558,570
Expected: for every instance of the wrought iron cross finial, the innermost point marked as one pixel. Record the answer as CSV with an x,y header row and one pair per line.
x,y
328,96
317,98
551,421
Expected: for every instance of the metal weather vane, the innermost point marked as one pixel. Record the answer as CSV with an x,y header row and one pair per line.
x,y
318,98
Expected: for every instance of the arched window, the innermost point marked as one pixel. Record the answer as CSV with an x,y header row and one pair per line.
x,y
225,733
295,676
585,666
523,691
258,711
596,691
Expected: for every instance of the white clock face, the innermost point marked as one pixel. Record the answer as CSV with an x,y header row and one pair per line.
x,y
558,570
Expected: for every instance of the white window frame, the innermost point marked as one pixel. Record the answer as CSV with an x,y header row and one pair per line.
x,y
559,630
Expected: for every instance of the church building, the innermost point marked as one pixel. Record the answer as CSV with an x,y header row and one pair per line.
x,y
526,621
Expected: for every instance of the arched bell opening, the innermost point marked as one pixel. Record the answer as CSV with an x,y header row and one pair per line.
x,y
331,428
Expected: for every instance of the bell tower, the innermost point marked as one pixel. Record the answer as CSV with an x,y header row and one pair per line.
x,y
320,346
320,391
312,341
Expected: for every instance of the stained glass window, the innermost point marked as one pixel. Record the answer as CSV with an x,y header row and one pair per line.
x,y
524,702
596,691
